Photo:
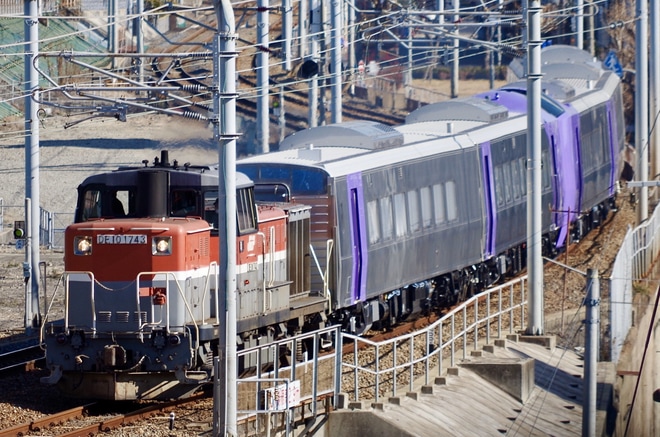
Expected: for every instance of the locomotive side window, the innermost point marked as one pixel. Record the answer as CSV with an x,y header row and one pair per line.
x,y
120,203
211,208
245,211
184,202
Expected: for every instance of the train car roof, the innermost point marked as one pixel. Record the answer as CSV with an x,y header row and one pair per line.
x,y
599,94
310,156
567,64
463,109
421,143
511,126
360,134
415,132
554,88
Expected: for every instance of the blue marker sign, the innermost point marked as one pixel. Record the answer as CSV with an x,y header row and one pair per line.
x,y
612,62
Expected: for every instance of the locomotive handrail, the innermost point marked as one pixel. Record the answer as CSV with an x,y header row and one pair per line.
x,y
167,289
207,289
66,297
263,267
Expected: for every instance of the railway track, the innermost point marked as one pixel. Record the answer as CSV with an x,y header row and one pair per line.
x,y
94,418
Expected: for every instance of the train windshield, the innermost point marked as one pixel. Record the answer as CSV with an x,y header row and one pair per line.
x,y
302,181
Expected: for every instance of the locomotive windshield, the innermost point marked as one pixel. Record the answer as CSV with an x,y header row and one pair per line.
x,y
105,202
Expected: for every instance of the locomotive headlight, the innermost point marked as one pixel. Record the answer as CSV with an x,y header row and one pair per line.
x,y
161,246
82,245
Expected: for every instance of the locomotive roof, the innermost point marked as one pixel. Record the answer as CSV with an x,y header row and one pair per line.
x,y
361,134
179,175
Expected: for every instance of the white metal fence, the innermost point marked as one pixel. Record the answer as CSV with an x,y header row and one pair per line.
x,y
364,369
633,263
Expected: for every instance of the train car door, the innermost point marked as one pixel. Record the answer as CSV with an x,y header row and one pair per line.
x,y
489,201
358,237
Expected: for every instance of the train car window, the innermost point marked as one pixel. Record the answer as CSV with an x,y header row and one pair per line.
x,y
523,176
499,180
374,223
308,181
620,122
515,179
302,180
385,204
546,168
507,182
452,204
211,208
91,205
413,211
400,221
604,140
427,206
274,173
246,214
439,203
184,203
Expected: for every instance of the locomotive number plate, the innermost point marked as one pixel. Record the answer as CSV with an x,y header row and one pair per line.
x,y
121,239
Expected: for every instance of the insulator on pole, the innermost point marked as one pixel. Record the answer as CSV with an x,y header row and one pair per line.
x,y
193,115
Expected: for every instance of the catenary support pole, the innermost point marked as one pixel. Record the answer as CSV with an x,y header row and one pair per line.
x,y
287,33
314,55
579,25
224,131
455,53
642,106
31,269
335,58
591,334
654,96
263,78
534,169
352,57
139,39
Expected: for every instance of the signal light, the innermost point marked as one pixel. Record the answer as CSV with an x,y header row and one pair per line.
x,y
19,229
